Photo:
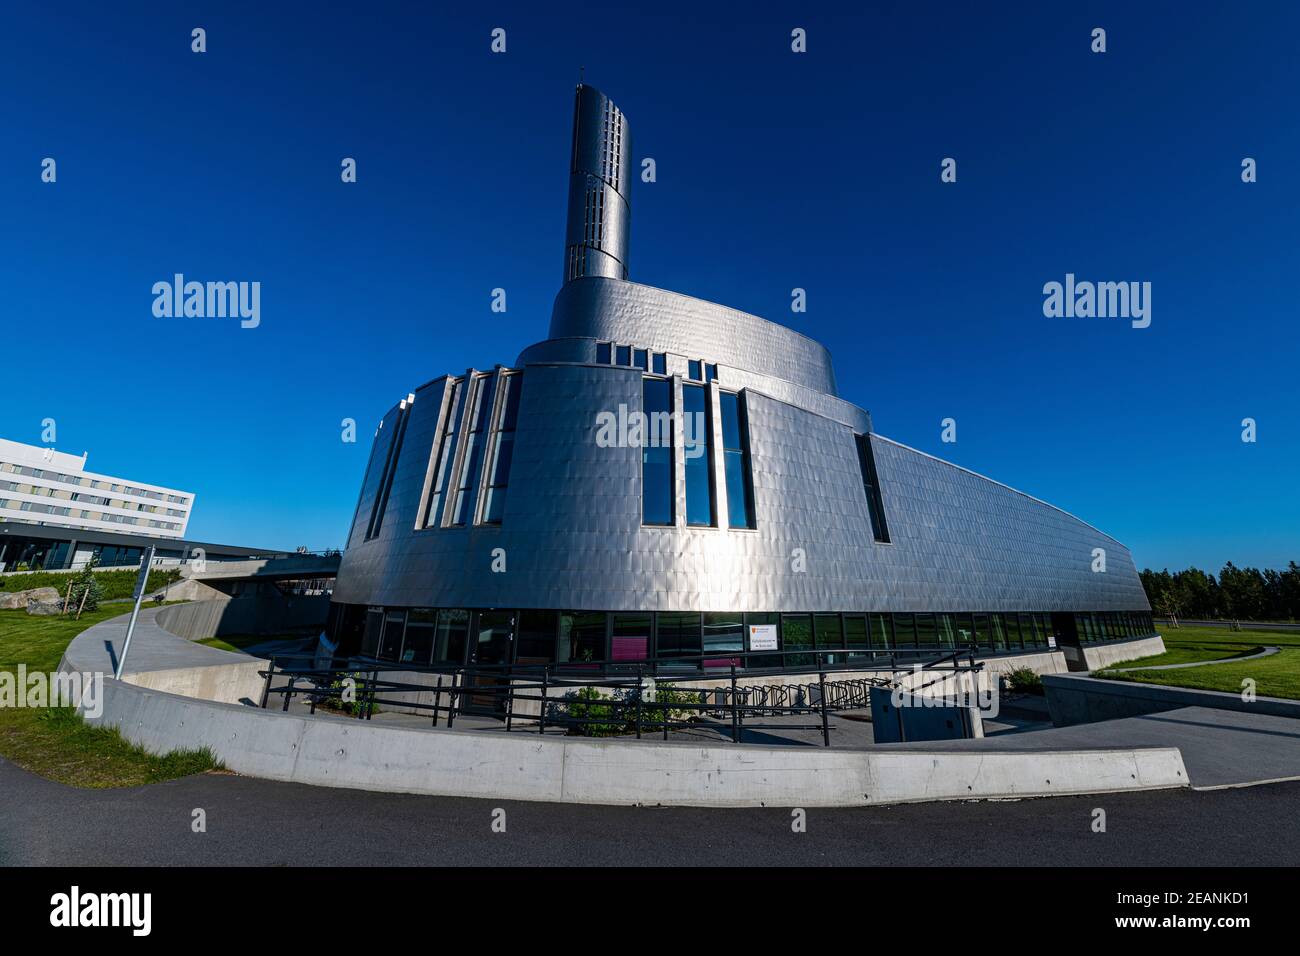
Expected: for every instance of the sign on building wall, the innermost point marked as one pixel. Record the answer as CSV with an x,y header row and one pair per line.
x,y
762,637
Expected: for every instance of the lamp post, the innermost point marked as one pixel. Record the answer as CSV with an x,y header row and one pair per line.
x,y
141,580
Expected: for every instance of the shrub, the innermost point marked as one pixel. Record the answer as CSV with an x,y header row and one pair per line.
x,y
1023,680
589,704
117,585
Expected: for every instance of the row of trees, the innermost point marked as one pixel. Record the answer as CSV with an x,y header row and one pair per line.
x,y
1246,594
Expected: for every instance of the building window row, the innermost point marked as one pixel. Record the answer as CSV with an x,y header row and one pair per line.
x,y
60,511
84,481
422,636
658,474
610,353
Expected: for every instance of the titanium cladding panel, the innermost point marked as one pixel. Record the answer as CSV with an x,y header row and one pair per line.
x,y
573,535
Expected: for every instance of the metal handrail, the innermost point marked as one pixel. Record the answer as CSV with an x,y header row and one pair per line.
x,y
627,707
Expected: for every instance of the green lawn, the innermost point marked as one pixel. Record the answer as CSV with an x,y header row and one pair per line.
x,y
240,643
55,742
1275,676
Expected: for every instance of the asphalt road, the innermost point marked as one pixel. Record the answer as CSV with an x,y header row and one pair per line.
x,y
253,822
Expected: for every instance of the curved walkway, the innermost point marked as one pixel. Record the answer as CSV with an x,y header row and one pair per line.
x,y
1266,652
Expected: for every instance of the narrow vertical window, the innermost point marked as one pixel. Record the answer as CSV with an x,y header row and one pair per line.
x,y
602,353
503,446
735,449
698,450
472,458
442,450
871,485
657,452
399,418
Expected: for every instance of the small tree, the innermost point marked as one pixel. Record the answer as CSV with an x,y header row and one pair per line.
x,y
1171,606
85,582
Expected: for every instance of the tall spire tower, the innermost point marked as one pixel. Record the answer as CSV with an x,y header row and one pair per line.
x,y
600,182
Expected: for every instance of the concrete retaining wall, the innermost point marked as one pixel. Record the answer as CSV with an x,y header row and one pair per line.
x,y
223,683
212,618
340,752
1086,700
1099,656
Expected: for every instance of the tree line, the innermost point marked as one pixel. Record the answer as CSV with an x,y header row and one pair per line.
x,y
1246,594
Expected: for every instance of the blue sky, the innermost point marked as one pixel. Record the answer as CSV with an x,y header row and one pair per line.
x,y
775,170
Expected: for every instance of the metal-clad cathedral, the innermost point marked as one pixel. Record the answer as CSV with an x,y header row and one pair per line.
x,y
662,473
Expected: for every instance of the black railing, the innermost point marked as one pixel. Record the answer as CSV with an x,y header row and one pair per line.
x,y
627,698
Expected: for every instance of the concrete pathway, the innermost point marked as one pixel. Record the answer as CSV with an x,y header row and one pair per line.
x,y
1266,652
152,647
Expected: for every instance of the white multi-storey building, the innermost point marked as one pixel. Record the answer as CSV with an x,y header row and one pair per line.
x,y
47,487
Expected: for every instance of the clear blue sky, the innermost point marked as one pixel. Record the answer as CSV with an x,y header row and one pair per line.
x,y
775,170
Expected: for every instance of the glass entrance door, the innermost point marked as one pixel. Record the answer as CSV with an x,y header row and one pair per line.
x,y
490,648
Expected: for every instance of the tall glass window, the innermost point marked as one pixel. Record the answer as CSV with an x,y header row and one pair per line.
x,y
373,627
880,637
443,449
630,640
657,452
871,485
390,468
536,640
581,638
697,437
472,458
421,625
904,631
830,636
855,636
450,640
394,626
735,448
503,446
796,634
723,631
1012,622
678,635
602,353
945,631
926,635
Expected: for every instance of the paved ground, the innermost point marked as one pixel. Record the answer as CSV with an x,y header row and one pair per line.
x,y
1266,652
152,648
253,821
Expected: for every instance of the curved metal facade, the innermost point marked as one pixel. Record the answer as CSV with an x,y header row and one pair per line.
x,y
571,535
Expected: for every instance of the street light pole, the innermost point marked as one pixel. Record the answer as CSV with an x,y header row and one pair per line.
x,y
141,580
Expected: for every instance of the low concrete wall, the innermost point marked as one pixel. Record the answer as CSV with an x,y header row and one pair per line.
x,y
339,752
203,619
1100,656
1078,699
